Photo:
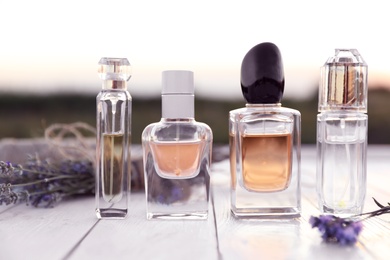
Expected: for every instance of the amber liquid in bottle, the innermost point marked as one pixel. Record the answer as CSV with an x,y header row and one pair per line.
x,y
112,169
177,159
233,164
266,162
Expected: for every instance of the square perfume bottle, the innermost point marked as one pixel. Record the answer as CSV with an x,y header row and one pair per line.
x,y
177,154
264,141
342,125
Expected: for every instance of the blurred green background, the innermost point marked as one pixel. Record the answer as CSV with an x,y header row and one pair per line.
x,y
26,116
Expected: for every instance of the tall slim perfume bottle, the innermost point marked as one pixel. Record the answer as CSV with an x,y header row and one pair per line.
x,y
264,141
342,134
177,154
113,139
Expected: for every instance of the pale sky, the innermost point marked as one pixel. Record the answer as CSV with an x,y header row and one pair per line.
x,y
55,45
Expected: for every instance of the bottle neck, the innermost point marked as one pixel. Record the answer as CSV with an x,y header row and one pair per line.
x,y
114,84
177,106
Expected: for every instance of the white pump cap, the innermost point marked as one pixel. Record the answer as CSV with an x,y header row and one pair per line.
x,y
177,94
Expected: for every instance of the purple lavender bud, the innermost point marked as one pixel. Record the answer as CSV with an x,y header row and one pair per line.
x,y
357,226
337,230
314,221
346,236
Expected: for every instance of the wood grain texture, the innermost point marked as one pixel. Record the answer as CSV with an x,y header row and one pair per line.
x,y
137,238
32,233
72,231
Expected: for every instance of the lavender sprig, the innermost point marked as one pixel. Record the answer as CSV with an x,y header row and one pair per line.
x,y
337,230
44,184
382,210
344,231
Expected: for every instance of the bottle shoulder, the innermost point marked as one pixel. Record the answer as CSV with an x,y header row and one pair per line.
x,y
265,110
177,130
237,111
149,128
253,113
205,126
190,122
342,114
292,111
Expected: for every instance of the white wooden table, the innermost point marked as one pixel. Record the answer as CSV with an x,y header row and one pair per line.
x,y
72,231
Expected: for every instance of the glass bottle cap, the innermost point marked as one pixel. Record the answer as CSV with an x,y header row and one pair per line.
x,y
114,70
262,75
343,83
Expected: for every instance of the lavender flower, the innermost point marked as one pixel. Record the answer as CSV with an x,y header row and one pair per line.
x,y
44,184
344,231
337,230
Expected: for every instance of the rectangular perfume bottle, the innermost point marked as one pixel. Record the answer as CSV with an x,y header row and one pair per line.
x,y
265,141
113,162
177,155
342,134
265,161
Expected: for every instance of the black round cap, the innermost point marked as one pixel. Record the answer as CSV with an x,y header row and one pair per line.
x,y
262,75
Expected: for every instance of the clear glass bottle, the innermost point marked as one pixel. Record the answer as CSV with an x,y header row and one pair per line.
x,y
264,141
342,134
113,118
177,154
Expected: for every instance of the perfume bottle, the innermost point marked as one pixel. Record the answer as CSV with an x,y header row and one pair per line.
x,y
342,134
177,154
264,141
113,139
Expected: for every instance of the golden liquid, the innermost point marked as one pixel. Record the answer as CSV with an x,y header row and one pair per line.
x,y
266,161
112,173
175,159
232,148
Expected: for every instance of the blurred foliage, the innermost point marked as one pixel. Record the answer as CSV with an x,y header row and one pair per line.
x,y
26,116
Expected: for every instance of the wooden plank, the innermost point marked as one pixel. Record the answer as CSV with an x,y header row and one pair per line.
x,y
39,233
4,208
138,238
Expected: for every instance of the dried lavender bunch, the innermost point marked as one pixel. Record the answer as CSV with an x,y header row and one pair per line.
x,y
344,231
43,184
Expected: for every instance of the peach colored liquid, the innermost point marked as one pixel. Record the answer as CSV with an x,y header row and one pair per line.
x,y
177,159
266,161
232,146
